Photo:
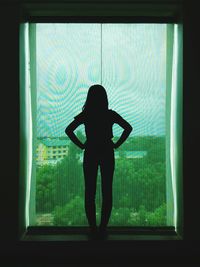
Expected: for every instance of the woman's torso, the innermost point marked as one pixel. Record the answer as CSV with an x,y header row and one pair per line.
x,y
98,128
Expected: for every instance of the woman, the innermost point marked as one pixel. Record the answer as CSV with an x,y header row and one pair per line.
x,y
99,151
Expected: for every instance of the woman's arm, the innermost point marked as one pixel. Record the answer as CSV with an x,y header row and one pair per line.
x,y
70,133
127,130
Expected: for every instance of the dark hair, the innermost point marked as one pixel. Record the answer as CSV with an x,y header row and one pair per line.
x,y
96,100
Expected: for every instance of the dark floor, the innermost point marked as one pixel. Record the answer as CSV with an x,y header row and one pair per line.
x,y
86,237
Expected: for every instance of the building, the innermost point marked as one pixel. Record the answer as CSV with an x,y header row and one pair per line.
x,y
130,154
124,154
51,150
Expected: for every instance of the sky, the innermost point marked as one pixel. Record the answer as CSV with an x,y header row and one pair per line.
x,y
128,59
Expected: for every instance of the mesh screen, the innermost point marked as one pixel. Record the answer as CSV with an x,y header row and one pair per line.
x,y
129,60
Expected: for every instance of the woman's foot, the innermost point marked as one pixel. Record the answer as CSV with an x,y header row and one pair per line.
x,y
102,233
93,233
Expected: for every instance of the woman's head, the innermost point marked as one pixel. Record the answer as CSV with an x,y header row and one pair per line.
x,y
97,99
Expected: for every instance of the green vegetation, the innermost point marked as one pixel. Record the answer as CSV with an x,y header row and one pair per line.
x,y
139,187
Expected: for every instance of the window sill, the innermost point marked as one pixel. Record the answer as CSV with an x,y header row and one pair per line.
x,y
60,234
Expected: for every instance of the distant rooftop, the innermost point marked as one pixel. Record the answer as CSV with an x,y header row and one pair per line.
x,y
54,142
132,154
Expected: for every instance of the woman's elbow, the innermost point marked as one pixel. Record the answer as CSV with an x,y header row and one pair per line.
x,y
67,131
130,128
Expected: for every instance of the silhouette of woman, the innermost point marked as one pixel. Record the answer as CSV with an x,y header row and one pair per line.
x,y
99,151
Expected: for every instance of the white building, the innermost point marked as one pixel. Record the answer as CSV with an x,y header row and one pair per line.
x,y
51,150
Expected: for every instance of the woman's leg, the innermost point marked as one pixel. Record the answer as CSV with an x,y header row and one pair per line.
x,y
90,168
107,164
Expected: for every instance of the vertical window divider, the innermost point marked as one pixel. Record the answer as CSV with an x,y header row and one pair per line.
x,y
169,60
101,53
33,93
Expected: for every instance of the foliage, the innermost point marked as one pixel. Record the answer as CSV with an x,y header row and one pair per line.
x,y
45,189
70,214
139,186
57,185
158,217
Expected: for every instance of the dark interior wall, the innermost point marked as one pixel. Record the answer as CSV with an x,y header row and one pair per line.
x,y
9,121
147,252
191,126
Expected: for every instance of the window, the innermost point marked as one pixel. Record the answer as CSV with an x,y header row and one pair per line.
x,y
140,67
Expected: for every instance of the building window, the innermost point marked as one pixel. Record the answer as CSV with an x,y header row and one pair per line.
x,y
140,67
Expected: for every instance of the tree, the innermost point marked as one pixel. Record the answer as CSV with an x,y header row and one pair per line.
x,y
71,214
120,217
69,177
139,192
121,181
158,217
156,152
45,189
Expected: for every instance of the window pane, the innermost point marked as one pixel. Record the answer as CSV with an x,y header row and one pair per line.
x,y
130,59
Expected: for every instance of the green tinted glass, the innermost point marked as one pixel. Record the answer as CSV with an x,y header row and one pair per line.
x,y
132,62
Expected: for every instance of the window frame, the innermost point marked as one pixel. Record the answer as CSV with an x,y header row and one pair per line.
x,y
151,12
